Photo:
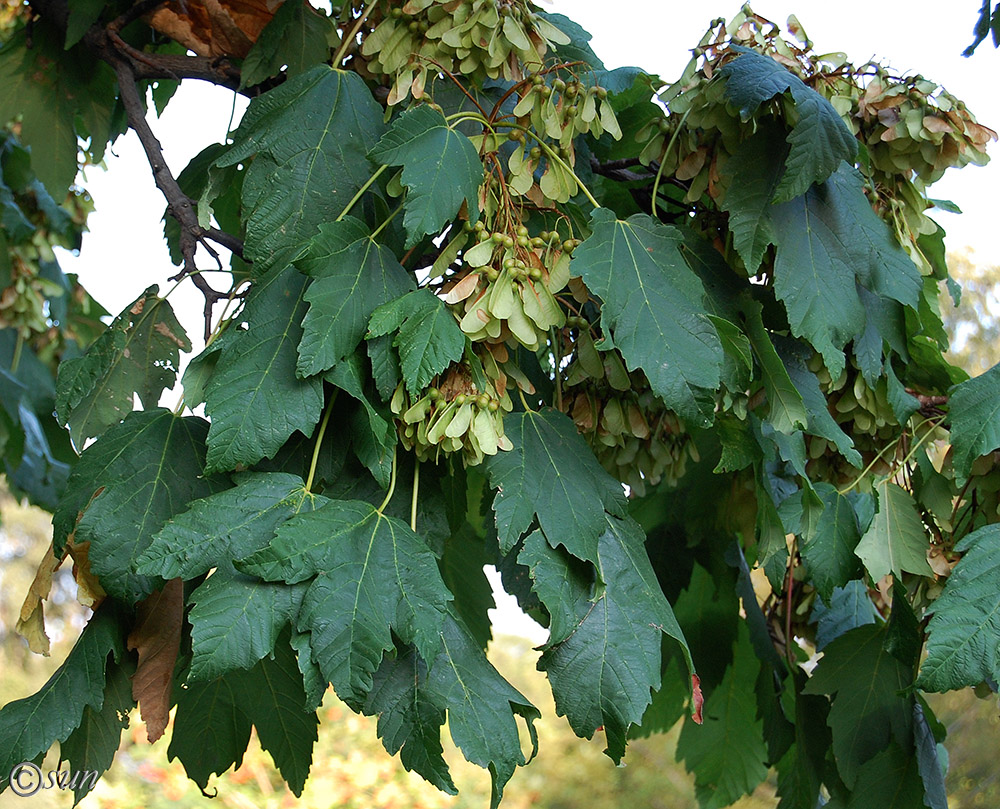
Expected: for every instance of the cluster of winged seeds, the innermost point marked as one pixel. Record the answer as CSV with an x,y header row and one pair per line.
x,y
480,39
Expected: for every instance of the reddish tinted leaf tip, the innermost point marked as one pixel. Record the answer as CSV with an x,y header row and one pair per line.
x,y
697,699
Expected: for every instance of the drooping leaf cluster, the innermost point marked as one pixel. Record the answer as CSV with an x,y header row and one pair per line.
x,y
675,369
47,317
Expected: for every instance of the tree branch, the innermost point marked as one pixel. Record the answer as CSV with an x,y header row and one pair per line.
x,y
179,204
618,169
134,13
929,405
145,66
130,66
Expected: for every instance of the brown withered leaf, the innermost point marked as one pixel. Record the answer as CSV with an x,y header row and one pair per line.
x,y
156,636
88,589
697,700
214,27
31,621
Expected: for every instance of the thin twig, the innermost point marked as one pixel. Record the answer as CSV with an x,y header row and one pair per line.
x,y
929,405
136,11
789,652
137,57
179,204
619,173
613,165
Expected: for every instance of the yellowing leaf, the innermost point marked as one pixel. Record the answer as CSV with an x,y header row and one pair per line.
x,y
31,621
88,588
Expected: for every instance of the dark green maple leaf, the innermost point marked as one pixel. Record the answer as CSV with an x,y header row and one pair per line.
x,y
794,356
312,678
850,607
199,372
254,398
31,464
227,525
578,47
82,15
819,140
409,723
91,747
882,266
385,366
481,706
603,653
727,754
552,476
295,39
801,769
896,540
373,577
830,240
353,275
426,335
214,718
974,406
929,758
963,648
211,729
889,780
653,307
904,404
815,275
236,619
868,709
786,409
754,171
373,434
309,136
411,700
708,613
737,365
828,548
29,726
465,554
138,353
441,170
143,471
273,697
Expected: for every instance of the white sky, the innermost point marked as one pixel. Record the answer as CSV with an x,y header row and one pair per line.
x,y
124,251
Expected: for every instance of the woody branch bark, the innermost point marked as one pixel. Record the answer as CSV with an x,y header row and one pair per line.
x,y
131,66
151,66
179,204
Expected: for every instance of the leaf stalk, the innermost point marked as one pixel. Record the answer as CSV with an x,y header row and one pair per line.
x,y
392,484
319,441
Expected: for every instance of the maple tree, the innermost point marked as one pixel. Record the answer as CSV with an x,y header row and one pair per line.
x,y
677,369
